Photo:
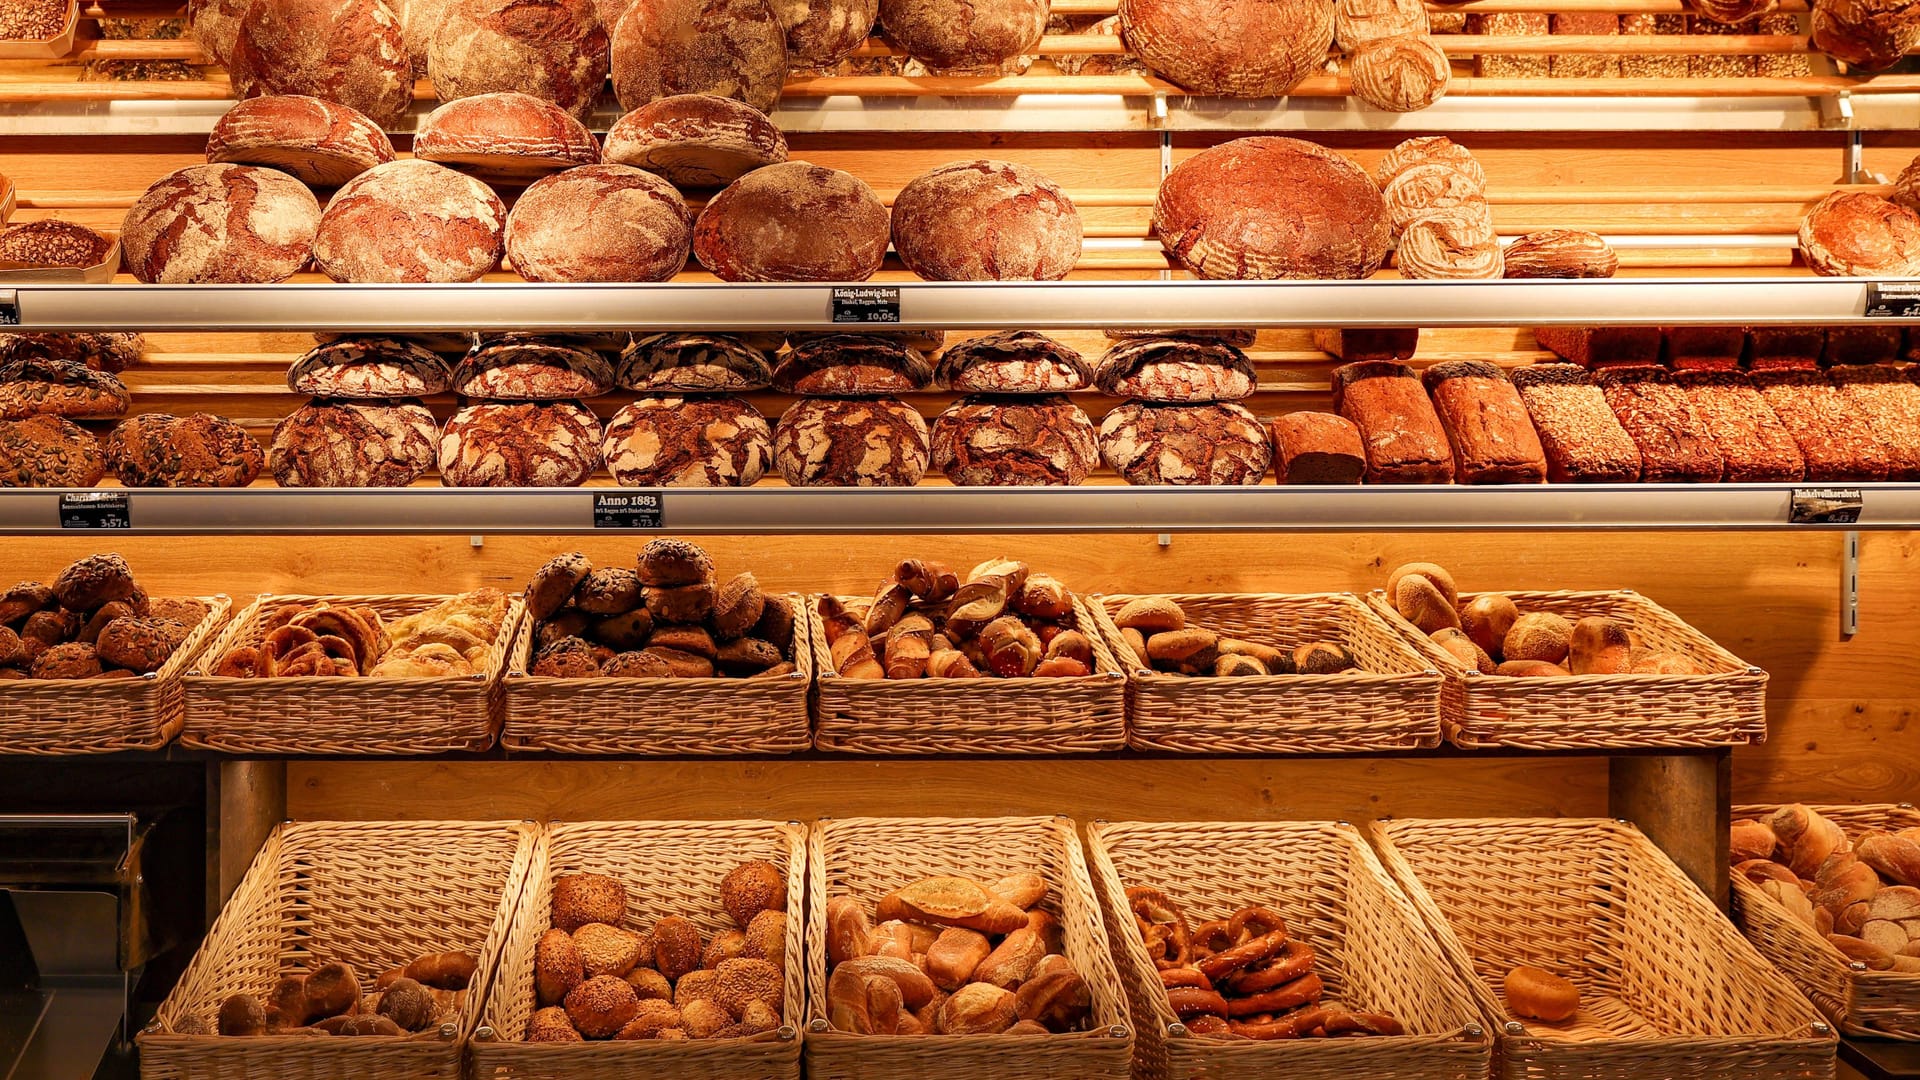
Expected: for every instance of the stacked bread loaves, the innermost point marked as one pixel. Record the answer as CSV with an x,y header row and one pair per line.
x,y
690,427
1395,64
365,425
1436,198
1016,426
93,622
524,422
1860,892
1180,423
46,388
850,428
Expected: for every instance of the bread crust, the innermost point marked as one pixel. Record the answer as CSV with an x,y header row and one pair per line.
x,y
1268,207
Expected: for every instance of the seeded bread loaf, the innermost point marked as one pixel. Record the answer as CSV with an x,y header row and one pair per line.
x,y
108,352
49,451
1785,348
1404,439
1834,436
688,442
44,386
51,243
1755,446
1889,399
199,450
1673,442
1487,425
1023,441
354,444
1583,440
1185,444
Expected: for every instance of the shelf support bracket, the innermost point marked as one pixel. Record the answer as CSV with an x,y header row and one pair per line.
x,y
1855,165
1836,111
1684,803
1850,585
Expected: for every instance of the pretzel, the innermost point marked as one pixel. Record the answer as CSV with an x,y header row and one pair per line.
x,y
1193,1001
1209,1025
1220,965
1163,927
1294,1025
1253,922
1342,1024
1174,978
1305,990
282,640
1212,937
1294,960
241,663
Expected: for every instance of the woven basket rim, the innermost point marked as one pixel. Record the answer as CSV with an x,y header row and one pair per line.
x,y
519,673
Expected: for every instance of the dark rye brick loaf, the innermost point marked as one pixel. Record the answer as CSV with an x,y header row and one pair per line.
x,y
793,222
1026,442
964,33
354,444
46,386
693,364
554,50
851,365
1583,440
520,444
1013,362
1317,448
600,223
349,51
1249,48
696,140
1887,396
688,442
411,221
1703,348
1756,447
320,143
49,451
506,138
1185,444
1268,207
1493,440
526,368
198,450
1602,346
1405,441
368,369
1175,371
986,221
1834,436
1847,345
824,32
220,224
732,48
851,442
1785,348
1673,441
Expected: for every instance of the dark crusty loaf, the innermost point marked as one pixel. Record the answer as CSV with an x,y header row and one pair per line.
x,y
1754,444
45,386
1396,344
1861,345
1834,436
821,33
733,48
983,441
1602,346
696,140
688,442
349,51
505,138
527,368
213,224
693,364
1583,440
1269,207
1012,362
1785,348
1673,443
986,221
1175,371
199,450
1889,399
1493,440
1403,436
368,369
600,223
49,451
354,444
112,352
1868,34
411,221
1317,448
555,50
851,442
520,444
1185,444
1250,49
322,143
793,222
1703,348
851,365
964,33
1854,234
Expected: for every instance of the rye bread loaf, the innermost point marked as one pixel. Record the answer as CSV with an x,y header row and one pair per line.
x,y
1392,343
159,450
368,369
1888,398
821,33
600,223
1405,441
1487,425
1853,234
851,365
1702,348
688,442
411,221
986,221
506,138
49,451
1241,48
320,143
964,33
1268,207
527,368
696,140
851,442
1602,346
793,222
214,224
1185,444
1754,446
1849,345
520,444
112,352
1583,440
1317,448
1173,371
349,51
1009,441
693,364
354,444
1673,442
1834,436
554,50
732,48
1785,348
46,386
1012,362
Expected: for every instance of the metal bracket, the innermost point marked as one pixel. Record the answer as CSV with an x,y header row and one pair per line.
x,y
1166,156
1855,165
1165,540
1850,585
1836,111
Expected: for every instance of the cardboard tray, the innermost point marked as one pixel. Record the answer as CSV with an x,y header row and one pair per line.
x,y
51,49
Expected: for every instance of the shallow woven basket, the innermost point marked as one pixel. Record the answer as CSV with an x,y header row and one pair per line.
x,y
668,868
1885,1004
1726,707
316,715
101,716
868,857
973,716
373,894
660,716
1668,987
1391,703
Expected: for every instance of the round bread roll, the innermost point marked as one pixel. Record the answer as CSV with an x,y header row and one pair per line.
x,y
730,48
986,221
353,444
1230,48
49,451
851,442
964,33
321,143
696,140
793,222
1540,994
693,364
600,223
411,220
1185,444
1429,150
368,369
220,224
1867,34
1400,74
1457,242
1026,442
688,442
555,50
1852,234
349,51
507,138
200,450
1013,362
520,444
821,33
1356,22
1267,207
1422,189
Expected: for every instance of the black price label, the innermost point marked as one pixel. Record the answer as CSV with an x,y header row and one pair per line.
x,y
1893,300
866,304
9,308
1826,506
96,510
629,510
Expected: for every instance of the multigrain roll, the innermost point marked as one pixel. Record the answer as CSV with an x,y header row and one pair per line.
x,y
1404,439
693,364
1673,443
793,222
411,221
600,223
220,224
688,442
520,444
505,138
1174,371
1253,49
1268,207
732,48
1754,446
320,143
1493,440
851,442
964,33
349,51
1185,444
986,221
109,352
354,444
554,50
45,386
983,441
1583,440
696,140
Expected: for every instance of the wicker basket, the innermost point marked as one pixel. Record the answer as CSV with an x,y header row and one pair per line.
x,y
314,715
1878,1003
101,716
668,868
1372,950
660,716
1725,707
1392,703
1670,988
370,894
973,716
868,857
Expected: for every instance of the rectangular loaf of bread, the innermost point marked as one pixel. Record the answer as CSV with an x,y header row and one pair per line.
x,y
1785,348
1353,346
1721,65
1493,440
1833,436
1650,65
1404,440
1703,348
1583,441
1889,398
1510,24
1317,448
1755,445
1674,445
1586,65
1602,346
1861,345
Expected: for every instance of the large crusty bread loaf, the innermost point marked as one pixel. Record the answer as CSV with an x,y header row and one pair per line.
x,y
207,224
1854,234
1268,207
986,221
507,138
1232,48
821,33
600,223
555,50
215,24
964,33
733,48
322,143
696,140
354,444
412,221
349,51
793,222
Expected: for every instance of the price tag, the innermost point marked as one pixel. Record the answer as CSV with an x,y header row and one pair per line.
x,y
1826,506
9,308
96,510
866,304
629,510
1893,300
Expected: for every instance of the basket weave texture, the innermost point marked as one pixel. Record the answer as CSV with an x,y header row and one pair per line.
x,y
1391,703
972,716
667,868
1668,987
101,716
1371,949
660,716
314,715
370,894
866,858
1878,1003
1725,707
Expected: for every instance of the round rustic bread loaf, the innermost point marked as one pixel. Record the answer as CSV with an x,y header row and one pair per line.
x,y
1268,207
49,386
1356,22
322,143
520,444
1230,48
1400,74
1429,150
1013,362
793,222
368,369
199,450
696,140
527,368
1179,371
1185,444
1868,34
109,352
411,220
821,33
964,33
1852,234
1906,186
1457,242
49,451
354,444
851,365
215,24
555,50
349,51
207,224
600,223
1026,442
851,442
693,364
731,48
509,138
986,221
688,442
1560,253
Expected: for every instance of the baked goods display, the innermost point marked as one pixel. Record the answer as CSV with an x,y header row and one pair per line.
x,y
1860,892
986,221
555,51
1159,633
93,622
697,140
212,224
323,639
321,143
505,138
413,997
1267,207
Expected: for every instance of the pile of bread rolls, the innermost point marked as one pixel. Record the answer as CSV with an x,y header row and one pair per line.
x,y
451,639
595,979
951,956
1489,634
1157,631
1001,619
93,622
1862,893
414,996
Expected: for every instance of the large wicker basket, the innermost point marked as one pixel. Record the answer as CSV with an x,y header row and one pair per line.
x,y
1391,703
668,868
867,857
1725,707
1878,1003
660,716
1372,951
370,894
312,715
1669,988
973,716
101,716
